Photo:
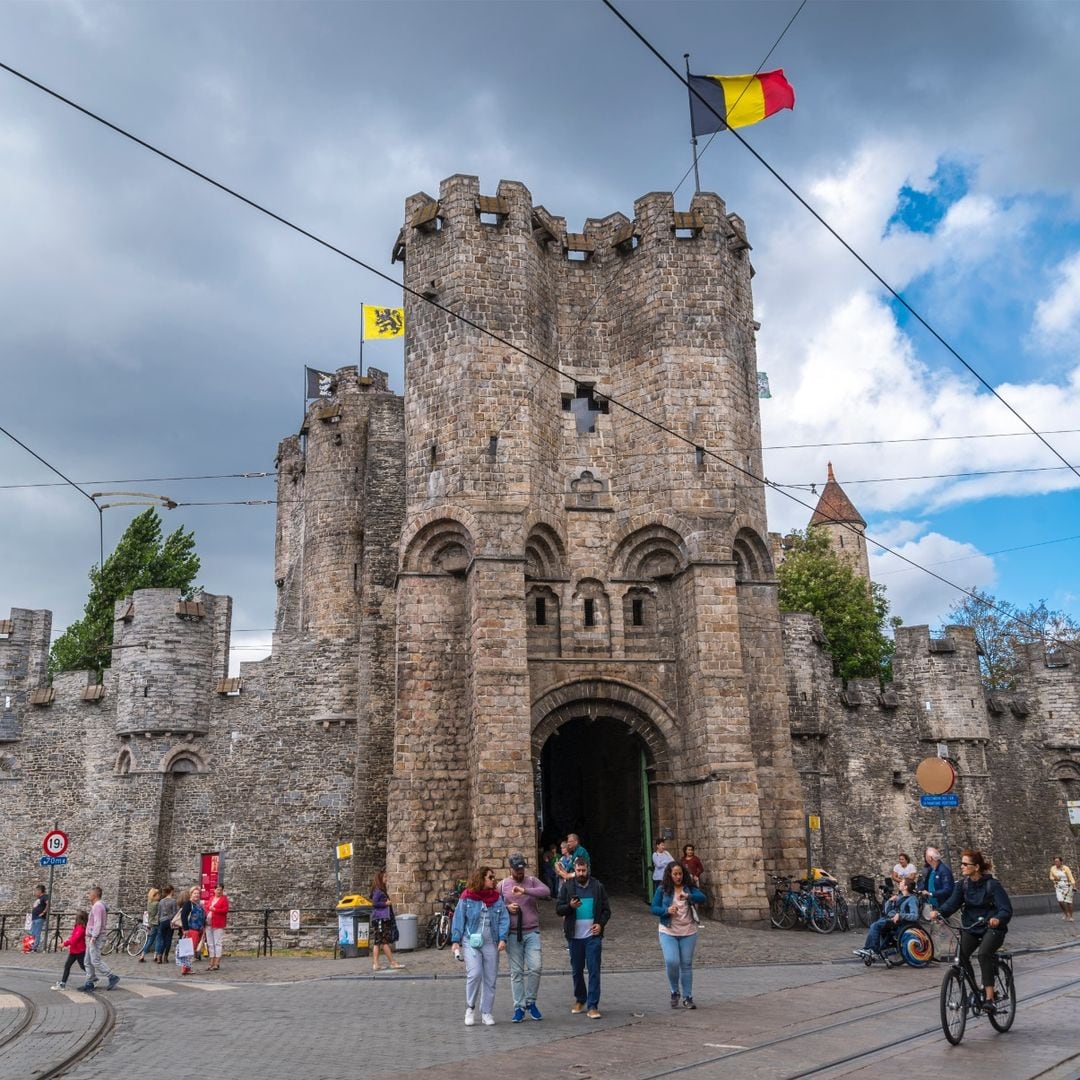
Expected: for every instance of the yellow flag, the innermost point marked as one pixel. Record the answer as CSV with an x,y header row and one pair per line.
x,y
383,322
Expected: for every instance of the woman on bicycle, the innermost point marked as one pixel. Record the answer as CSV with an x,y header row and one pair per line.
x,y
987,912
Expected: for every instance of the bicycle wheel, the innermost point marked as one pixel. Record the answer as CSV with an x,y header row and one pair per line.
x,y
442,934
432,931
863,912
781,914
843,916
953,1005
112,943
136,941
822,919
1005,999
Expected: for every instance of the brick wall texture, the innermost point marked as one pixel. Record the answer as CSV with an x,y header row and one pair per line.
x,y
503,559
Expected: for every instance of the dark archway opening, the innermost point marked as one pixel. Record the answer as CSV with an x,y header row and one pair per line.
x,y
592,782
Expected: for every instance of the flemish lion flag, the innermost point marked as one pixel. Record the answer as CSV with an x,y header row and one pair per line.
x,y
383,322
739,100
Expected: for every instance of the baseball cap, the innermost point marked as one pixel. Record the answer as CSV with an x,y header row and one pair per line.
x,y
516,861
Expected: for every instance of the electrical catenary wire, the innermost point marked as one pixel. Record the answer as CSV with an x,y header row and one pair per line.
x,y
491,335
897,296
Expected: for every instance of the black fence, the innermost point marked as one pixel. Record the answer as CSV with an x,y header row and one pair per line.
x,y
257,929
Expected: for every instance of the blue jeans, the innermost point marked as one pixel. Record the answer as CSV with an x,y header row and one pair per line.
x,y
151,938
585,953
882,931
36,926
525,967
679,962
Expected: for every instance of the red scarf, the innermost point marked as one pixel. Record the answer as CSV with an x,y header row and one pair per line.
x,y
488,896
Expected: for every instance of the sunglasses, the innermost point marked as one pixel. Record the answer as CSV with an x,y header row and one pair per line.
x,y
967,864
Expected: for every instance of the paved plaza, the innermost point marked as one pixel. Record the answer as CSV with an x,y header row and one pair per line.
x,y
771,1004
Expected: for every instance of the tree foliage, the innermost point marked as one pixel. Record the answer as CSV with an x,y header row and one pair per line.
x,y
853,612
141,560
1002,630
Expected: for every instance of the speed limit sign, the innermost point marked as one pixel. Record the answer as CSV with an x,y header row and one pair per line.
x,y
55,843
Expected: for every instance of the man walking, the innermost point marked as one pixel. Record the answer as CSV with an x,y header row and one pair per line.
x,y
95,931
520,893
935,886
583,904
39,913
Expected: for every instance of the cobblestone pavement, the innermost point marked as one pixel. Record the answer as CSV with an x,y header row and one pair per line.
x,y
766,990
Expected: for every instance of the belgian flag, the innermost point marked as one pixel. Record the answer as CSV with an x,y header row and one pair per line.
x,y
738,100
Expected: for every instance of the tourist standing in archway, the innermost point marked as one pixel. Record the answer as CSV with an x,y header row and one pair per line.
x,y
661,860
674,905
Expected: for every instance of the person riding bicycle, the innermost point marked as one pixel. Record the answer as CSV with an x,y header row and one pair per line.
x,y
987,911
901,909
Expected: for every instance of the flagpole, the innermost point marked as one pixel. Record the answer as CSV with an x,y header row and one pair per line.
x,y
693,137
361,339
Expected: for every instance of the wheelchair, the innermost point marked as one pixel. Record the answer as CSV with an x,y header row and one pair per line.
x,y
912,946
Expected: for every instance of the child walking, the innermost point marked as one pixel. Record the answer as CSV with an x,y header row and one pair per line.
x,y
76,947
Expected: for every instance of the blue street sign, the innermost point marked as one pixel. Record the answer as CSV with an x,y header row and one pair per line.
x,y
53,860
939,800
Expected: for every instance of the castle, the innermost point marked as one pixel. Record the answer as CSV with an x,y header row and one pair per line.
x,y
510,607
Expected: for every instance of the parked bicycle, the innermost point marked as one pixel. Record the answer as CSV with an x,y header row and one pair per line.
x,y
961,998
867,906
795,903
438,927
128,934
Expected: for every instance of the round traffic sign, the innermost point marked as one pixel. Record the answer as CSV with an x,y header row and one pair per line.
x,y
55,843
935,776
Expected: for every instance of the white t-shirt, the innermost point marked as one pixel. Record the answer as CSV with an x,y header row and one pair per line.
x,y
909,871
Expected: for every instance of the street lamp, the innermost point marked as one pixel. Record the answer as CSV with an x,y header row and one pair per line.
x,y
131,498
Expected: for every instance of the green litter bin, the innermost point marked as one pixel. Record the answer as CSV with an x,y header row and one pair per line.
x,y
354,925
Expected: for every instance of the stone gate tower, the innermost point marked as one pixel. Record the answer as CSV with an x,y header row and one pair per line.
x,y
587,628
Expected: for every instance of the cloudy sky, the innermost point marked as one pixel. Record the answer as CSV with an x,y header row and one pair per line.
x,y
151,327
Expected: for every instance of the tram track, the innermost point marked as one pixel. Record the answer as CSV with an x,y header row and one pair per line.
x,y
35,1025
917,999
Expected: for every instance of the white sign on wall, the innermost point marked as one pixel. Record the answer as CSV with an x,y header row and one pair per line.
x,y
1074,811
294,918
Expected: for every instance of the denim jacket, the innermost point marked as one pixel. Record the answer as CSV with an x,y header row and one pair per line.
x,y
468,918
661,901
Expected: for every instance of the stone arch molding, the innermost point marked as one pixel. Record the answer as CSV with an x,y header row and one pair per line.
x,y
1066,769
642,713
751,555
438,541
184,759
650,549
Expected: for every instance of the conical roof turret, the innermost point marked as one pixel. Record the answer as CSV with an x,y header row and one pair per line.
x,y
834,507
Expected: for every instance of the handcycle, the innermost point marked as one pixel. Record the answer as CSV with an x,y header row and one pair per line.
x,y
795,902
911,945
128,934
961,998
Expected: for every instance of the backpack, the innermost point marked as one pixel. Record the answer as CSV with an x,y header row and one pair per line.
x,y
196,919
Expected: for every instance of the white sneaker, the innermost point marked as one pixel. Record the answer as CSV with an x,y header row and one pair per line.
x,y
470,1017
487,1019
58,986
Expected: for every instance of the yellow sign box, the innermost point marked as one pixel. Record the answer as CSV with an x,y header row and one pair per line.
x,y
344,851
813,822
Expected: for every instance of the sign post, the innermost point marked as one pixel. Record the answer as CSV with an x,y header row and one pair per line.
x,y
936,776
54,845
344,851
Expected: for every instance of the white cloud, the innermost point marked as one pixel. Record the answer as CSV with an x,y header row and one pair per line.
x,y
913,594
1057,317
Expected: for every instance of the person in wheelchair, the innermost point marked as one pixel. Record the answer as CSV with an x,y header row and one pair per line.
x,y
901,911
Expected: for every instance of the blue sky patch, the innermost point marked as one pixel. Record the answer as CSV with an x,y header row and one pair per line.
x,y
923,211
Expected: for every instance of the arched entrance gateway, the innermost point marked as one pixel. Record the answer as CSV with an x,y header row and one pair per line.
x,y
601,763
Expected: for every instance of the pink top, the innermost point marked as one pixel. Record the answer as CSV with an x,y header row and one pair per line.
x,y
682,923
95,925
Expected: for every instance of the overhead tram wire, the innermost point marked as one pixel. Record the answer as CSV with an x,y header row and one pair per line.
x,y
491,335
897,296
272,473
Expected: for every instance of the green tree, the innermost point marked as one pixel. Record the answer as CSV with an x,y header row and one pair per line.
x,y
853,612
141,560
1003,629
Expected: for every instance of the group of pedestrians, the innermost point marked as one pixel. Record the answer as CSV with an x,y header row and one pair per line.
x,y
495,917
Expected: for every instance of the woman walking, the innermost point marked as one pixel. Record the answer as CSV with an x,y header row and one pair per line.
x,y
166,913
481,924
153,906
382,924
673,904
1064,887
217,915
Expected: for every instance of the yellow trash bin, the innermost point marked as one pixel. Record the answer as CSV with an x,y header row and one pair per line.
x,y
354,925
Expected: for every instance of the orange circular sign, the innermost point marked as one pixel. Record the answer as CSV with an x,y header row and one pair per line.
x,y
935,776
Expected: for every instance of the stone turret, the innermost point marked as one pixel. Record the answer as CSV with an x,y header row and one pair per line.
x,y
836,516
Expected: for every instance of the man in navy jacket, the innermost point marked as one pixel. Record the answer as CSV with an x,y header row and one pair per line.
x,y
936,883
